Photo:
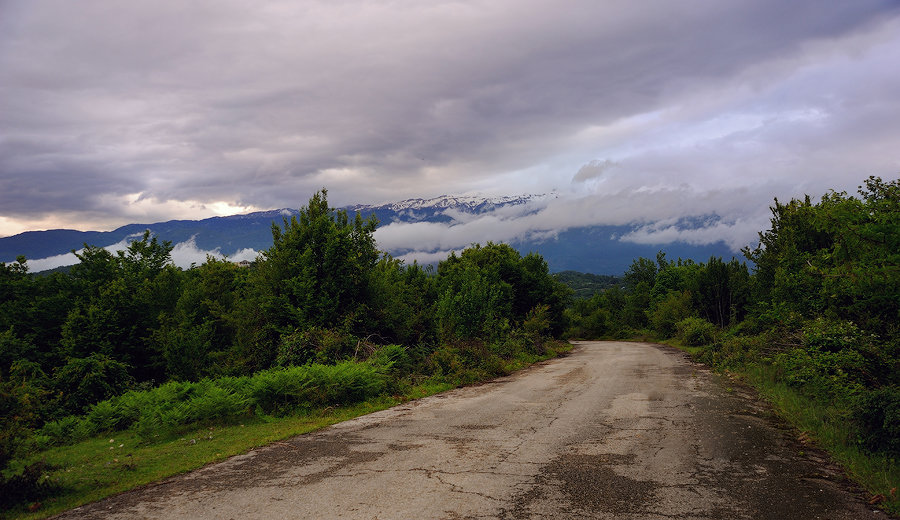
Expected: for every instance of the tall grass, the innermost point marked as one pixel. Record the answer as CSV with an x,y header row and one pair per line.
x,y
168,407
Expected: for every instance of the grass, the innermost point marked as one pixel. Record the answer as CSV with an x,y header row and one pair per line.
x,y
100,467
827,426
95,468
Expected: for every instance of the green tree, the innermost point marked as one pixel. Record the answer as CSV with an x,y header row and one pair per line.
x,y
121,298
721,291
84,381
641,270
492,288
315,275
197,337
400,303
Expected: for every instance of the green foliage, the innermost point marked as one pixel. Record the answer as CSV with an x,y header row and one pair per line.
x,y
195,338
28,485
637,302
696,331
216,404
109,330
399,304
121,299
665,314
314,344
537,321
17,417
169,407
84,381
472,306
642,271
824,373
832,335
486,291
284,390
878,415
838,258
104,417
314,275
392,359
721,291
586,285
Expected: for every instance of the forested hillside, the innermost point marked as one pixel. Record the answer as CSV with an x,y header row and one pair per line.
x,y
816,316
585,285
129,341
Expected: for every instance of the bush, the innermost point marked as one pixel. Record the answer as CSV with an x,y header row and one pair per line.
x,y
675,307
831,335
392,359
818,373
104,417
217,404
85,381
26,486
283,390
537,321
315,344
696,331
877,415
64,430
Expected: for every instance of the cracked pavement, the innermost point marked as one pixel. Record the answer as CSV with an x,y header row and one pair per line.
x,y
615,430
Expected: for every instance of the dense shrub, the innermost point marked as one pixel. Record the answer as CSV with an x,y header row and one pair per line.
x,y
877,414
26,486
158,411
666,313
313,345
832,335
822,373
85,381
281,391
696,331
394,359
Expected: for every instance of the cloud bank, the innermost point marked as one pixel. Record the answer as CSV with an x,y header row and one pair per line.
x,y
184,255
116,112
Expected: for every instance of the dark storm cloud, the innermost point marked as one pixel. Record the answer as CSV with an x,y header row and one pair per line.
x,y
258,104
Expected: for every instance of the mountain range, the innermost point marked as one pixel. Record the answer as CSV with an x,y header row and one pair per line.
x,y
591,249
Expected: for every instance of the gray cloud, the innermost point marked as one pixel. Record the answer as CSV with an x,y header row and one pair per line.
x,y
112,110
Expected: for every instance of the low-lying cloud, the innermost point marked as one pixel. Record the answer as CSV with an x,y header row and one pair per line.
x,y
184,255
116,112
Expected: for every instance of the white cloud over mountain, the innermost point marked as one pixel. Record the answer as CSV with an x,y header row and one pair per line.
x,y
116,112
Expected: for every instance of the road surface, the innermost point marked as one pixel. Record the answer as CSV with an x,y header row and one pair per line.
x,y
614,430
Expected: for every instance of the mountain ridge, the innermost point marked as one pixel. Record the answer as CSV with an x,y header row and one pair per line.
x,y
590,249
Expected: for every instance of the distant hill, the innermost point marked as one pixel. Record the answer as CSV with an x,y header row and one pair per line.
x,y
586,285
594,249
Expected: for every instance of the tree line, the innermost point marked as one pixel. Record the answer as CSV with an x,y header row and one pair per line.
x,y
819,305
322,294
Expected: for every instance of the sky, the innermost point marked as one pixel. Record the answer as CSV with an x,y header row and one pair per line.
x,y
642,113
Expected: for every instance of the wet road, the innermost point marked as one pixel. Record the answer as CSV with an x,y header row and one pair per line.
x,y
615,430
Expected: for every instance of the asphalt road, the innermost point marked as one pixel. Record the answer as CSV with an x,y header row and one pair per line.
x,y
614,430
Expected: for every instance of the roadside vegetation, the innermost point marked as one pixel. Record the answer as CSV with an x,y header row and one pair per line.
x,y
813,324
125,369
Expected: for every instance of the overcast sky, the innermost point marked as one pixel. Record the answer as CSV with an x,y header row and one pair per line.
x,y
641,112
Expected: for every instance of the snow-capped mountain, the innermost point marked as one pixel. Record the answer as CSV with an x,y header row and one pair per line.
x,y
415,229
471,203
